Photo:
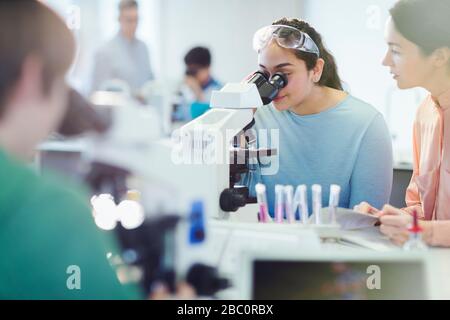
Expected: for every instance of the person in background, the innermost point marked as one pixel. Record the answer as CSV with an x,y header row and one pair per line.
x,y
418,37
125,57
50,246
198,85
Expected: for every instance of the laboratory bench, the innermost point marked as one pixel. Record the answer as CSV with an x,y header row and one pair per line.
x,y
351,243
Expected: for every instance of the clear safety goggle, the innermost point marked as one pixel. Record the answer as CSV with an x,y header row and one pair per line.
x,y
287,37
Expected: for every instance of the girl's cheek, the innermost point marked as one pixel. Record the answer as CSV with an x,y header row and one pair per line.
x,y
289,87
397,60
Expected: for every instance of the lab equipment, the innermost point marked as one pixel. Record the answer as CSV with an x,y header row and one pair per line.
x,y
317,202
201,161
287,37
213,150
279,203
197,229
415,242
335,191
262,202
160,240
154,251
130,211
135,132
268,88
81,117
290,211
302,200
206,280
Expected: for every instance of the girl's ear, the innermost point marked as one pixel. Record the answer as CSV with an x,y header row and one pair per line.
x,y
318,70
441,57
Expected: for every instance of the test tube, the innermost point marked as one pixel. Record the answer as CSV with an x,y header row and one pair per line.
x,y
262,202
301,194
335,191
289,197
279,203
317,202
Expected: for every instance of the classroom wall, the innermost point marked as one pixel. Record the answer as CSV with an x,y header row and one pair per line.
x,y
353,30
225,26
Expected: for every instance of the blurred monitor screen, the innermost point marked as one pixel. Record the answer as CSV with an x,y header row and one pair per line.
x,y
346,280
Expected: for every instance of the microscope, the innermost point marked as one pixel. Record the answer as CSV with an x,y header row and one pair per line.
x,y
203,161
220,144
201,165
159,241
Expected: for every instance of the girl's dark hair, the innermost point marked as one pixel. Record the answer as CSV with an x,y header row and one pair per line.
x,y
423,22
330,77
128,4
198,56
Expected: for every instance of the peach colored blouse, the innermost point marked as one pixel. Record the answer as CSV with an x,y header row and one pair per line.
x,y
429,189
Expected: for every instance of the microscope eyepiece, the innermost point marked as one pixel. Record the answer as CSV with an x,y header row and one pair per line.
x,y
279,80
268,88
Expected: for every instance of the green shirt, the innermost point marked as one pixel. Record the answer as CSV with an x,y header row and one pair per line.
x,y
45,228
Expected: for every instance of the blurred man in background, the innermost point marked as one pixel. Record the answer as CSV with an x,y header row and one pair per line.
x,y
124,58
197,87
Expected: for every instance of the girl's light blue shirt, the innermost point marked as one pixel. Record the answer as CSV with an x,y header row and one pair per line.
x,y
348,145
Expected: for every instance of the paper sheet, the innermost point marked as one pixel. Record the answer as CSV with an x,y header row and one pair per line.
x,y
348,219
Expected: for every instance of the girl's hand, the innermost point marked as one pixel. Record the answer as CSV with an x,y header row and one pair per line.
x,y
365,207
396,222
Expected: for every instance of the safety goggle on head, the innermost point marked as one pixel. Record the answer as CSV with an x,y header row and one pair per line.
x,y
287,37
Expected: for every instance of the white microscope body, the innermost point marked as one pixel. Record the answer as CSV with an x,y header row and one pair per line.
x,y
201,154
195,163
196,160
203,158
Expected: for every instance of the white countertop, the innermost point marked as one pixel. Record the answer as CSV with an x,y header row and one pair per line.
x,y
437,260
